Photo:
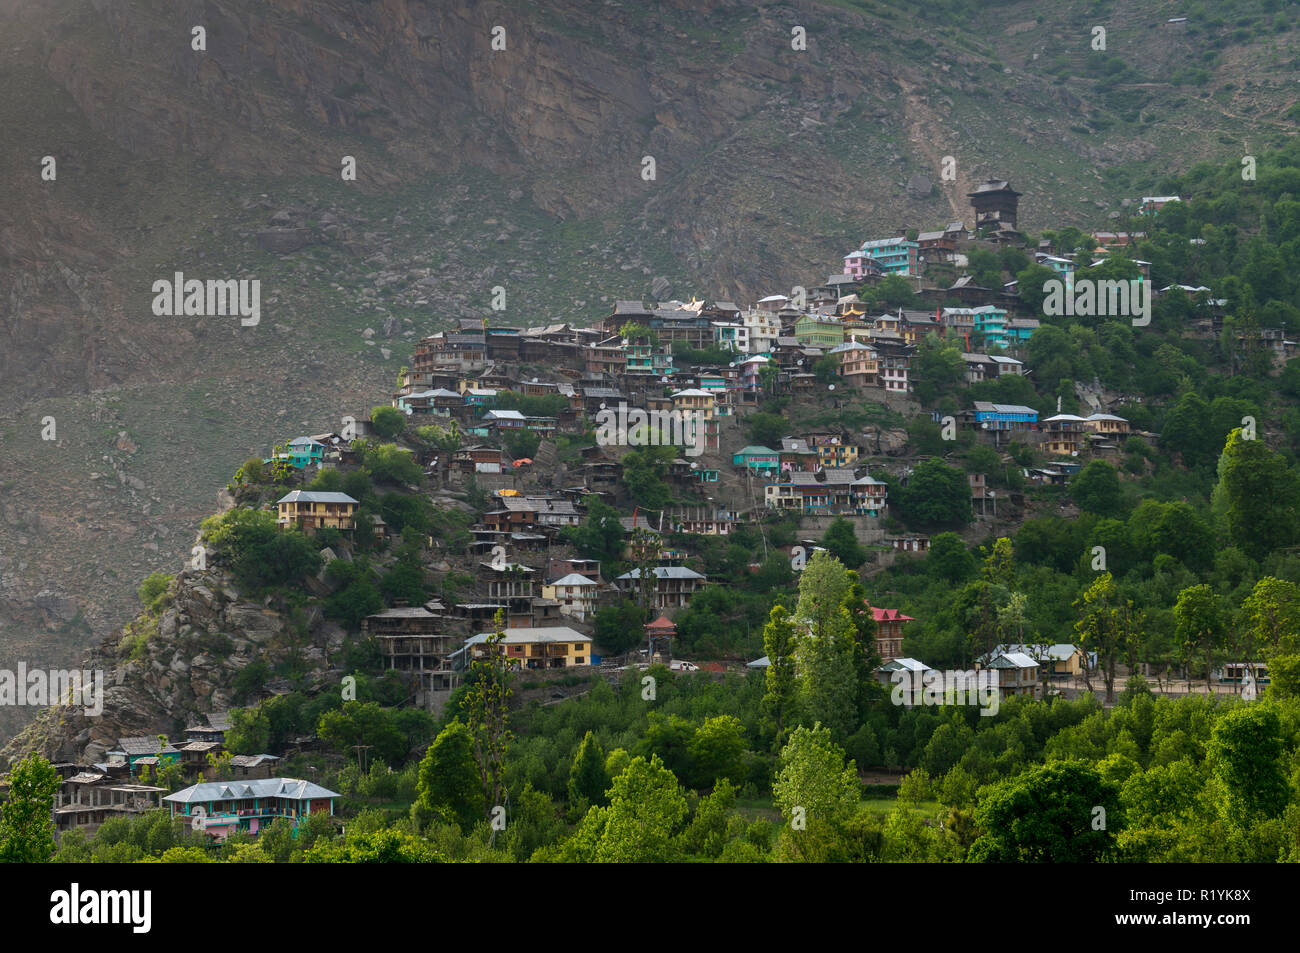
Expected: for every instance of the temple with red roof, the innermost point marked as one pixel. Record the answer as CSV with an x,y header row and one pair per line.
x,y
889,631
660,634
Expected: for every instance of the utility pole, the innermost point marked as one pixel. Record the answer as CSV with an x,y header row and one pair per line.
x,y
362,758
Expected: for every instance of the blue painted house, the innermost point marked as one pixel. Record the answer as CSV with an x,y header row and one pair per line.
x,y
1010,417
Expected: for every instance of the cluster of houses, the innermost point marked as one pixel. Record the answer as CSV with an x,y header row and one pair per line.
x,y
480,381
90,794
544,608
247,798
1021,669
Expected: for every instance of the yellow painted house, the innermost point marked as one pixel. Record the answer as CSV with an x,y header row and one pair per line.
x,y
543,647
310,510
695,400
833,453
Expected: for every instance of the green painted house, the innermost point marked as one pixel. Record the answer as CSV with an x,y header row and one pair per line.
x,y
819,330
758,459
140,751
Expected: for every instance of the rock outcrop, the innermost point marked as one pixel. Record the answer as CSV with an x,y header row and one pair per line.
x,y
162,671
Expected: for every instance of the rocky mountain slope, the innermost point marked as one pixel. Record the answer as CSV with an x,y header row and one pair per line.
x,y
520,168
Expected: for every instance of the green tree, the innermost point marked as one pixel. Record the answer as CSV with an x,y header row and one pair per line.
x,y
1106,625
1030,287
940,369
522,444
486,707
250,731
1096,489
767,430
620,627
895,291
365,724
1246,755
449,787
26,824
1270,622
984,267
824,652
935,495
1259,495
374,847
717,751
154,589
600,535
813,780
646,806
587,778
949,559
842,542
635,333
253,471
780,697
389,463
387,422
260,554
645,474
1200,625
1048,813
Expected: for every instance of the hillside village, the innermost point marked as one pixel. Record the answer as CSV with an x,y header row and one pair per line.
x,y
491,515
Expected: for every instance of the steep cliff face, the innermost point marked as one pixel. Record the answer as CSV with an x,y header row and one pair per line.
x,y
520,167
162,671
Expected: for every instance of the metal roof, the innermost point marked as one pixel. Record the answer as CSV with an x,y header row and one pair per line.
x,y
556,633
904,664
574,579
315,496
262,787
665,572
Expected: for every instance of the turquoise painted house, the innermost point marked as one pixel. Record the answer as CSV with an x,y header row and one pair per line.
x,y
303,452
991,321
221,808
758,459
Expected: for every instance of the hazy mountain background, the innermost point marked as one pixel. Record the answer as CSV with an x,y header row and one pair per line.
x,y
475,168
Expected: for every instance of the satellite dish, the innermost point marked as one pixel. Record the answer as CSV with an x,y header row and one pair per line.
x,y
197,816
602,405
831,387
